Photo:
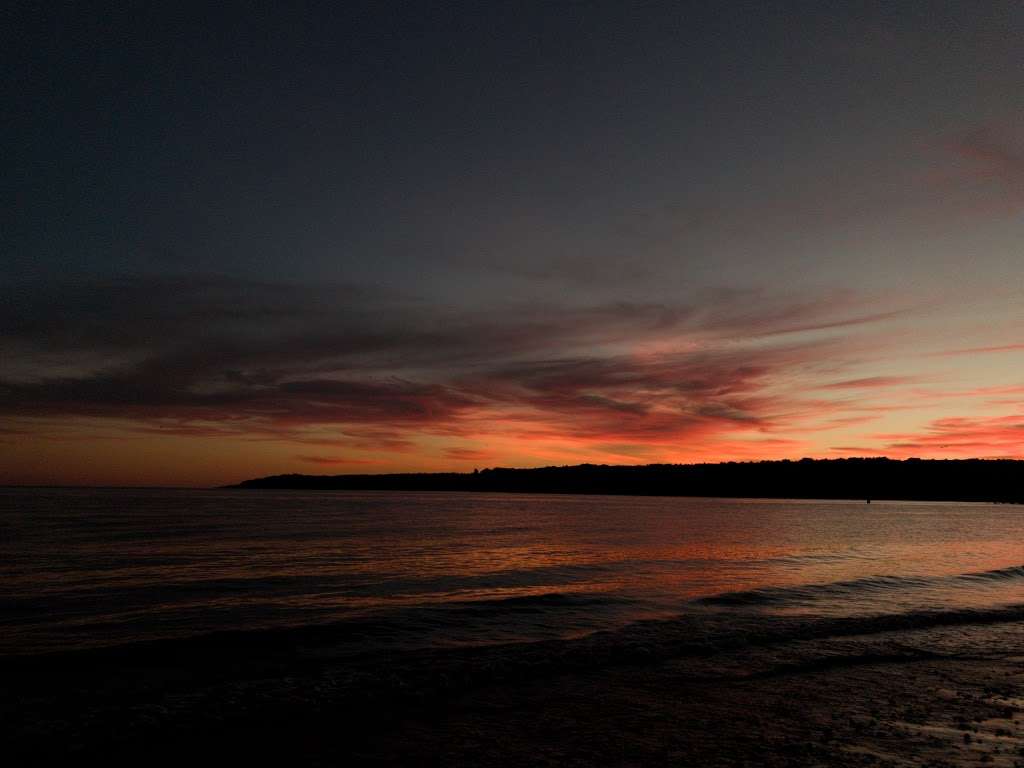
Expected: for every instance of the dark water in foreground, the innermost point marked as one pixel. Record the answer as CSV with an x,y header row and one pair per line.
x,y
82,568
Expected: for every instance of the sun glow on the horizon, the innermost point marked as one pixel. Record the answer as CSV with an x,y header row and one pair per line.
x,y
719,402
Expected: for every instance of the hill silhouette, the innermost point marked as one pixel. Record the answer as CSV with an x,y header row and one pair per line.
x,y
854,478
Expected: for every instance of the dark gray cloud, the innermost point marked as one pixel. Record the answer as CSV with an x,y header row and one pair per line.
x,y
216,356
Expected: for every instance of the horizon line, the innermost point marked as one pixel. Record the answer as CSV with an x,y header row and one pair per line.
x,y
76,486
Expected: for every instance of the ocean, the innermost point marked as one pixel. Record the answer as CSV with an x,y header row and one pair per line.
x,y
83,568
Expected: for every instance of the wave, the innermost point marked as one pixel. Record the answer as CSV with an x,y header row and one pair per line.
x,y
385,672
999,574
545,600
854,588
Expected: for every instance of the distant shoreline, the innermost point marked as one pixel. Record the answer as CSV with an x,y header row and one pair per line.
x,y
985,480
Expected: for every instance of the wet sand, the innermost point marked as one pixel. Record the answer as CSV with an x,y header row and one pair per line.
x,y
883,700
946,695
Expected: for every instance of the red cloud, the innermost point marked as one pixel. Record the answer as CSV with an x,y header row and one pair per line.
x,y
992,436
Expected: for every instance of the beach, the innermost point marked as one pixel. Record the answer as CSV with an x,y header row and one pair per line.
x,y
882,700
942,694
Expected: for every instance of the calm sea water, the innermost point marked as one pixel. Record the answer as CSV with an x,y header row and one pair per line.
x,y
102,567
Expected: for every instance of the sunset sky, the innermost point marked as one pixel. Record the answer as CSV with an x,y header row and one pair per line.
x,y
377,237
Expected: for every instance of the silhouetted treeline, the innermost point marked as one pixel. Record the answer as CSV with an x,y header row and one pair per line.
x,y
861,478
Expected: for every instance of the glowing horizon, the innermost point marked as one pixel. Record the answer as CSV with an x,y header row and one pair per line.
x,y
756,377
419,241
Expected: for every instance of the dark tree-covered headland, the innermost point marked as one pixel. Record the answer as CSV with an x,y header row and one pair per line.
x,y
857,478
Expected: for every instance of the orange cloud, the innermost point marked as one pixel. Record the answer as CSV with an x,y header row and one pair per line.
x,y
988,437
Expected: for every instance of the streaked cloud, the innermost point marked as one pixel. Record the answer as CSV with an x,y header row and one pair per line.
x,y
211,357
986,436
347,376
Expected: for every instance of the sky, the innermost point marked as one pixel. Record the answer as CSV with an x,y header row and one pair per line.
x,y
254,239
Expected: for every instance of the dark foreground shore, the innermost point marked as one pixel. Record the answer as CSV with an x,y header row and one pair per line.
x,y
704,690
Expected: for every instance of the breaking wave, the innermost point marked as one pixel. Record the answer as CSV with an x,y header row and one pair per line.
x,y
870,586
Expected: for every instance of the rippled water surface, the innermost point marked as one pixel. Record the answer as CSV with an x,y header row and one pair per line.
x,y
99,567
